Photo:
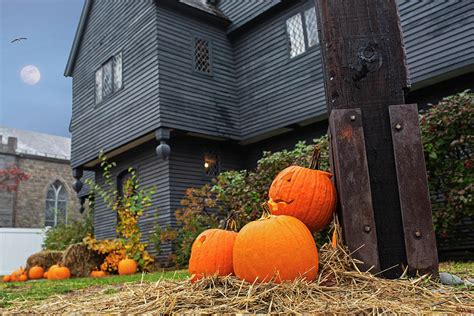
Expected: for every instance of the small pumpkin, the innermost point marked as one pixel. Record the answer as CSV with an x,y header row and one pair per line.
x,y
275,247
305,193
45,275
212,252
98,274
23,278
7,278
36,272
127,266
15,275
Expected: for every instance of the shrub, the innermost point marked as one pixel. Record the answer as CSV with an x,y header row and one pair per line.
x,y
129,206
241,192
448,141
64,235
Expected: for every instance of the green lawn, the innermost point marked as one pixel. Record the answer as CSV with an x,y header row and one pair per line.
x,y
462,269
42,289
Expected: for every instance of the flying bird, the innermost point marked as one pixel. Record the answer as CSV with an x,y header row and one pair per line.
x,y
18,39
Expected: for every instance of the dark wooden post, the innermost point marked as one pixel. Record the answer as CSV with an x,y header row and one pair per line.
x,y
375,138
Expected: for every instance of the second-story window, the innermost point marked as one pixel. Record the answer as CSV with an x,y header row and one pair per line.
x,y
302,31
202,55
108,78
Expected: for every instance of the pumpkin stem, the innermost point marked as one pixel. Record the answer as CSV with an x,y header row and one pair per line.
x,y
315,158
265,210
230,223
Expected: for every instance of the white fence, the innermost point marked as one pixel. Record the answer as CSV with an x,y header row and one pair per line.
x,y
16,245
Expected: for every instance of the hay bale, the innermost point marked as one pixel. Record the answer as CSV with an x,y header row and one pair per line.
x,y
44,259
80,260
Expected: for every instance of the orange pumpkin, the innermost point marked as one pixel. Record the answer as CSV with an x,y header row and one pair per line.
x,y
211,253
45,275
275,247
7,278
305,193
60,273
15,275
23,278
127,266
98,274
36,272
50,274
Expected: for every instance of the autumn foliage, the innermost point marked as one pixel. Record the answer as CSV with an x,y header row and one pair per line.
x,y
11,177
129,206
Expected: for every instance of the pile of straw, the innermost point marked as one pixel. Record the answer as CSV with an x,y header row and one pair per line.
x,y
341,288
80,260
44,259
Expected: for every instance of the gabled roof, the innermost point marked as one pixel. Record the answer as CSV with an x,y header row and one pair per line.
x,y
202,5
77,38
38,144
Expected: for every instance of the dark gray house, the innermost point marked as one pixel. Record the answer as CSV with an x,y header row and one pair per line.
x,y
221,81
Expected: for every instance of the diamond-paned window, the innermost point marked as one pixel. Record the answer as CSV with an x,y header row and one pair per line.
x,y
202,55
98,86
311,26
108,78
56,205
294,27
118,71
302,31
211,164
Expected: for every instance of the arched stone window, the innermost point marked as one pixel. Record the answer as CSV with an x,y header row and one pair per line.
x,y
56,204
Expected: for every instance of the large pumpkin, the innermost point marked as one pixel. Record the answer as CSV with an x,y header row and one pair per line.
x,y
211,254
305,193
61,273
51,275
275,247
127,266
36,272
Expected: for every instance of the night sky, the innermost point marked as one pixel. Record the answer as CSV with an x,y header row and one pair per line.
x,y
49,26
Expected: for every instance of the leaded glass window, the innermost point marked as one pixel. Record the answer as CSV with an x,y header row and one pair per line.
x,y
202,55
294,27
302,31
98,86
56,205
108,78
311,26
118,71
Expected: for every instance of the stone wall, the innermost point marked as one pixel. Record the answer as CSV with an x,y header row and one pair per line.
x,y
31,194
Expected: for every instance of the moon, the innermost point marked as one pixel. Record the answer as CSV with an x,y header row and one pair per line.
x,y
30,75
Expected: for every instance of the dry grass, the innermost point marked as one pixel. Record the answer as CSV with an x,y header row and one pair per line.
x,y
341,288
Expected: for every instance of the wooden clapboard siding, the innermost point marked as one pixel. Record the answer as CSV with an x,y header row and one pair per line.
x,y
186,164
242,12
275,90
126,27
190,100
152,172
439,37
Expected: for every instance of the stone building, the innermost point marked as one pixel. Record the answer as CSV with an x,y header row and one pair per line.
x,y
47,197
